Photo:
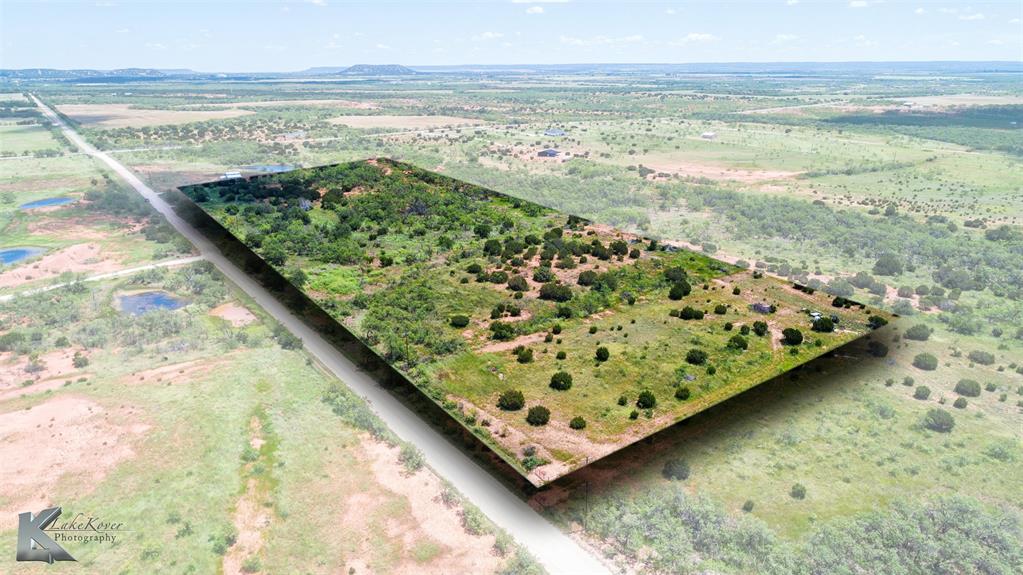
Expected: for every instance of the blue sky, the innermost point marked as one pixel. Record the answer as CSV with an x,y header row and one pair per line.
x,y
287,36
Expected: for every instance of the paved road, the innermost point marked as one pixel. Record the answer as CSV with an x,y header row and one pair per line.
x,y
557,552
105,276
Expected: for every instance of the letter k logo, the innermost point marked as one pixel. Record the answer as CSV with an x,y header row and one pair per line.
x,y
33,543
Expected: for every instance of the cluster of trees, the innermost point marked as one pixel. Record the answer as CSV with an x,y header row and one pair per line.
x,y
675,532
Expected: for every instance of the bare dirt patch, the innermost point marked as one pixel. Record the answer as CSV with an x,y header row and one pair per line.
x,y
79,258
251,517
689,169
235,314
430,521
125,116
20,376
68,441
405,122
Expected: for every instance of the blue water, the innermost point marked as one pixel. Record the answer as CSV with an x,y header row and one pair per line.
x,y
46,202
13,255
270,168
140,303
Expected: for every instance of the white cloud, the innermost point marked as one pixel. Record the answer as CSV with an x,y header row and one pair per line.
x,y
858,4
974,16
791,2
488,36
864,42
784,38
670,12
694,38
540,1
156,46
1014,21
122,30
275,47
948,10
919,11
534,10
996,42
382,47
318,2
601,40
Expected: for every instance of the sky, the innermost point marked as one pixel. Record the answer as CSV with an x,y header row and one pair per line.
x,y
294,35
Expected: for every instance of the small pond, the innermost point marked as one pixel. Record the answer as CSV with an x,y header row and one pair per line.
x,y
270,168
10,256
46,202
144,302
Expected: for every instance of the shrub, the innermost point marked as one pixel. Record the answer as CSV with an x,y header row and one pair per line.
x,y
981,357
634,414
792,336
939,420
676,469
518,284
925,361
877,349
602,354
511,400
798,491
738,342
79,360
593,329
459,320
675,274
922,392
691,313
720,309
561,381
919,332
823,325
502,331
474,268
682,393
696,356
622,400
748,506
646,400
876,321
562,355
959,403
736,291
968,387
587,278
543,275
525,356
577,423
555,292
538,415
679,290
760,328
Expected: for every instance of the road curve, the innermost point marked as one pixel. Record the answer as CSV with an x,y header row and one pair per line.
x,y
556,551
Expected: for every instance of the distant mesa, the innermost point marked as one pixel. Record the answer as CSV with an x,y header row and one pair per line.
x,y
378,70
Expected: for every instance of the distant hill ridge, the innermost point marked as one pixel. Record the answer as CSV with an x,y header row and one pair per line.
x,y
378,70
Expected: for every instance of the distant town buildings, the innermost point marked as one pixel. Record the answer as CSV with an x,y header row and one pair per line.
x,y
230,175
554,132
548,153
709,135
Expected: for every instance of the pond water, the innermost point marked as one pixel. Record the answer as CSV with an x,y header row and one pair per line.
x,y
270,168
140,303
10,256
46,202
